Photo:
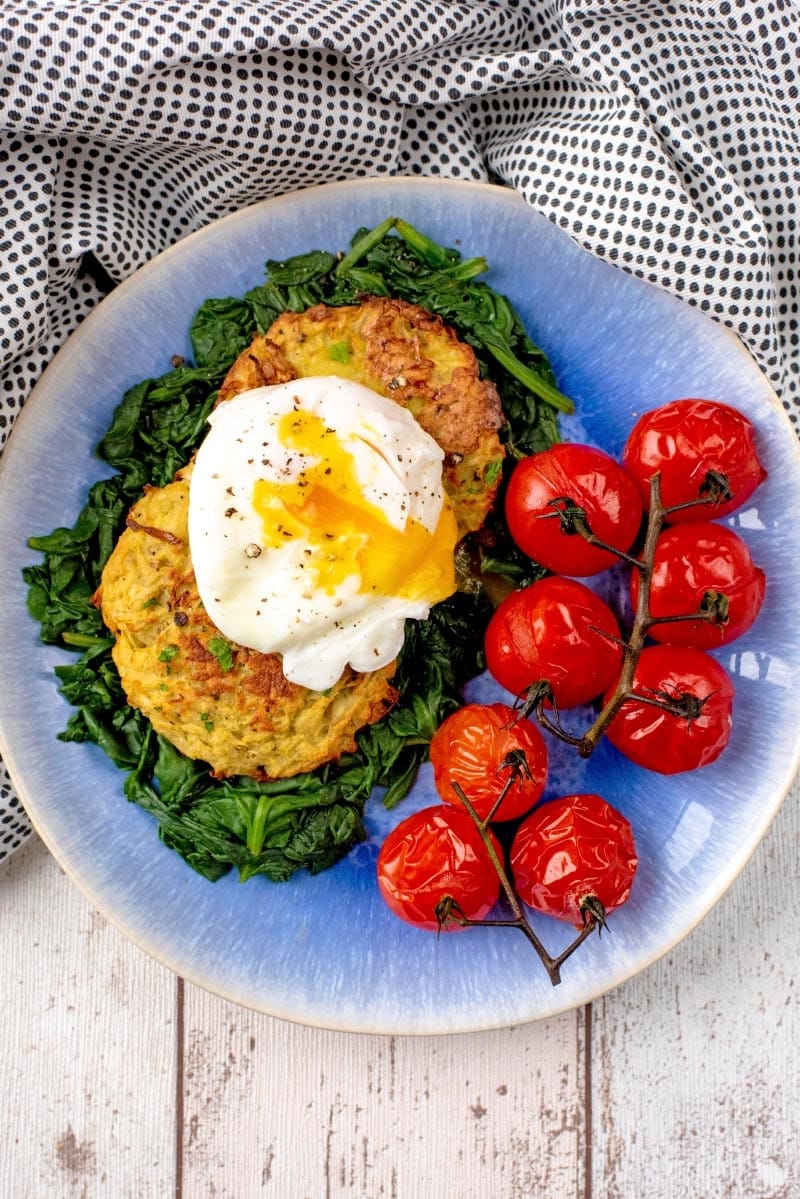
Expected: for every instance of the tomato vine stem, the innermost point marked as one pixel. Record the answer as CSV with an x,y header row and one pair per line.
x,y
641,622
572,518
540,700
518,920
713,609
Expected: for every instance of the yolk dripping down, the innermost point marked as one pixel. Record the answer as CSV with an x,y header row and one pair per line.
x,y
345,534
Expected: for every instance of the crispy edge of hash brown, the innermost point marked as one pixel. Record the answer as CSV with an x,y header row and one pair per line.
x,y
215,701
409,355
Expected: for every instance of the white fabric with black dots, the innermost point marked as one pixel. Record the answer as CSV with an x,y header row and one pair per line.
x,y
664,138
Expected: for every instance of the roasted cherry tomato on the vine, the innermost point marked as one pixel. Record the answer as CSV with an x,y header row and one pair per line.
x,y
432,856
555,630
478,747
694,727
549,490
702,567
572,854
703,450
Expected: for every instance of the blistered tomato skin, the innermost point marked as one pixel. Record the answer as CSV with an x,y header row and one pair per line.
x,y
593,481
558,630
569,849
684,441
691,561
469,747
435,853
667,742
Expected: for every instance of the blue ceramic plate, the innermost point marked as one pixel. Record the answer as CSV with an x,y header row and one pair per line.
x,y
324,950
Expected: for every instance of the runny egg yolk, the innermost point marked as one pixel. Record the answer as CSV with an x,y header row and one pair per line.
x,y
344,534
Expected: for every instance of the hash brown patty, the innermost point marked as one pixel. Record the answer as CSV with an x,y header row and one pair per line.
x,y
233,707
226,705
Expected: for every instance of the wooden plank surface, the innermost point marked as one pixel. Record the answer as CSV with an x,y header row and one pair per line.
x,y
87,1046
124,1082
295,1113
696,1063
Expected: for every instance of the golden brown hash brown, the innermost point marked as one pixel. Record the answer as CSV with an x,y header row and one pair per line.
x,y
403,352
233,707
239,713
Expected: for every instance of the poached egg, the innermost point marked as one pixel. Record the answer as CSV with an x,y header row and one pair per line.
x,y
318,525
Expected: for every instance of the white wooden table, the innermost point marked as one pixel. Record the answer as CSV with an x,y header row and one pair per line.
x,y
119,1080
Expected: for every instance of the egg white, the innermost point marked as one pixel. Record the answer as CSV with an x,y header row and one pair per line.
x,y
263,596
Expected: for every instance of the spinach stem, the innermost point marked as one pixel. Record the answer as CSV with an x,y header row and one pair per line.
x,y
535,383
365,244
462,272
431,252
256,826
85,640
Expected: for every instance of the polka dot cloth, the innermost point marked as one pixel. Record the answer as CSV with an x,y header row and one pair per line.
x,y
663,137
